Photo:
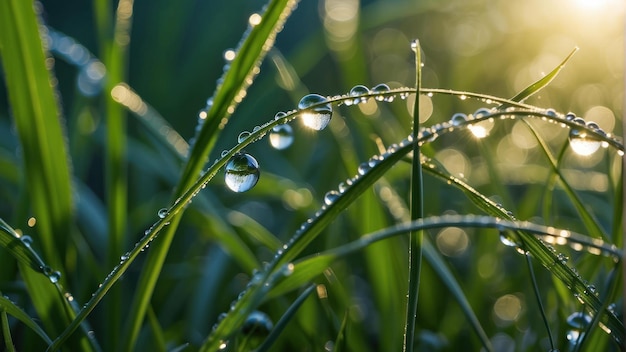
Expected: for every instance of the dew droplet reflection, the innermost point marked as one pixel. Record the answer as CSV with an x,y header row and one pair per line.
x,y
242,172
281,136
319,117
581,143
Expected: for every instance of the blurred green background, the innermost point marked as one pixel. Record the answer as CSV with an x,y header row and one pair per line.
x,y
493,47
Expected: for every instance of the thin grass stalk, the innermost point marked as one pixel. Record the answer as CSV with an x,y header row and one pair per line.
x,y
539,302
416,209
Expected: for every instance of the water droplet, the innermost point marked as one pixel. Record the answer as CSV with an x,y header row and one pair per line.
x,y
279,115
551,112
54,277
26,240
581,143
229,55
223,345
319,117
342,187
579,320
162,213
331,197
482,112
458,119
579,120
224,153
363,168
357,92
570,116
378,89
281,136
242,172
243,136
257,324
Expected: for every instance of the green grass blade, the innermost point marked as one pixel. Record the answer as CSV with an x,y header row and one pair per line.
x,y
6,306
47,174
416,209
253,48
116,178
6,332
542,82
285,319
10,240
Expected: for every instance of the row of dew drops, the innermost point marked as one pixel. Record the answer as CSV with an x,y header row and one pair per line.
x,y
242,170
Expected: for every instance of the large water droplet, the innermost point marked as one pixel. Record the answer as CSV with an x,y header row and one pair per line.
x,y
581,143
281,136
243,136
357,92
319,117
242,172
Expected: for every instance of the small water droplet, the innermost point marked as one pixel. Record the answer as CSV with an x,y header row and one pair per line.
x,y
378,89
242,172
581,143
319,117
258,324
579,320
162,213
26,240
363,168
579,121
279,115
281,136
331,197
243,136
357,92
551,112
54,277
342,187
570,116
458,119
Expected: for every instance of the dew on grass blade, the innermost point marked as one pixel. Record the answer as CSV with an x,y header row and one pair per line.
x,y
162,213
242,172
281,137
319,117
331,197
579,320
54,277
380,89
581,143
458,119
243,136
26,240
279,115
257,324
357,92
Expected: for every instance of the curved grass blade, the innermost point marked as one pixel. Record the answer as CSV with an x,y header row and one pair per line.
x,y
10,240
9,307
590,223
544,81
284,320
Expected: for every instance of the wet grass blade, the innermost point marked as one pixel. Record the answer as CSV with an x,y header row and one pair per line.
x,y
6,332
6,306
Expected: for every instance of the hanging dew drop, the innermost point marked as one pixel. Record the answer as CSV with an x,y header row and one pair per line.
x,y
242,172
357,92
581,143
281,137
319,117
331,197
